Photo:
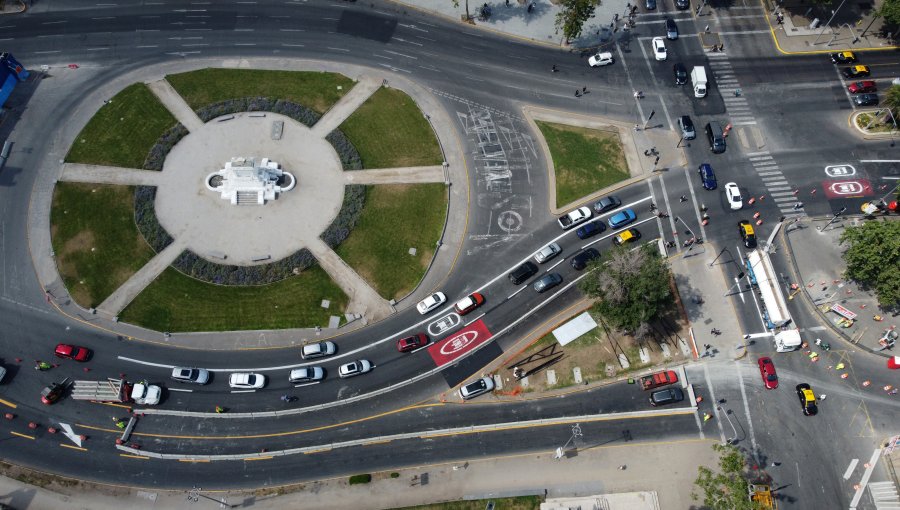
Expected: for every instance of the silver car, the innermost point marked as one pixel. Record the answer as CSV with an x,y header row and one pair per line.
x,y
355,368
306,374
546,253
190,375
479,387
317,350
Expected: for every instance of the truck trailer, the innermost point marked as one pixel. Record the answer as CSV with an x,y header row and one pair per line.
x,y
116,390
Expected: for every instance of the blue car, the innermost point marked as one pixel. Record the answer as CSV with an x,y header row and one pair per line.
x,y
590,230
621,218
707,176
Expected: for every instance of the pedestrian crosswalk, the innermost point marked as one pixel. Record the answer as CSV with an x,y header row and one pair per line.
x,y
726,81
777,187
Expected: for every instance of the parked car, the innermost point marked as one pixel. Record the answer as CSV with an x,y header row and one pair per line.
x,y
866,100
622,218
843,57
246,380
682,4
659,379
317,350
747,234
522,273
666,396
590,229
546,253
671,29
629,235
807,399
856,72
601,59
547,282
607,203
862,86
767,372
581,260
431,302
469,303
354,368
650,5
707,176
72,352
681,74
479,387
412,343
190,375
659,49
306,375
733,194
687,127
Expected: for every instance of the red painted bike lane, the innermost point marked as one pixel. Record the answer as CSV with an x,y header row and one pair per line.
x,y
462,342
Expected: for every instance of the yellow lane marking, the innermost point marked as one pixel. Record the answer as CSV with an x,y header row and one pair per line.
x,y
8,403
111,404
134,456
21,435
194,460
378,442
259,458
317,451
64,445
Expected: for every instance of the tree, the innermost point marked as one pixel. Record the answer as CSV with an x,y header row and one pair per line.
x,y
890,9
632,287
456,4
728,488
572,15
892,100
873,259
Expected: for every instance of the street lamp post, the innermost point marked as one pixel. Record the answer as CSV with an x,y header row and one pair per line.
x,y
833,219
576,433
833,14
196,493
732,439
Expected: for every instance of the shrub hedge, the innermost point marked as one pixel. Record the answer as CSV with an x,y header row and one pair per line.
x,y
161,148
355,479
295,111
348,216
146,220
197,267
350,158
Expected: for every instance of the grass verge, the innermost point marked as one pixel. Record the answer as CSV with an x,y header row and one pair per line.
x,y
317,91
389,130
396,217
97,245
175,302
585,160
517,503
123,131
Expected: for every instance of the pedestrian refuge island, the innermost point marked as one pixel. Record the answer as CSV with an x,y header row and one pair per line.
x,y
775,314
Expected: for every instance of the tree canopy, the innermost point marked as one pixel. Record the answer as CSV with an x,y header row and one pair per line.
x,y
632,287
728,488
892,99
572,15
873,259
890,9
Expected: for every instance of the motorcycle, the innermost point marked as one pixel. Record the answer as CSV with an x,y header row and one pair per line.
x,y
824,345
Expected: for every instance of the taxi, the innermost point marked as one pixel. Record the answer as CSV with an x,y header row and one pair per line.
x,y
807,399
856,71
747,233
843,57
627,236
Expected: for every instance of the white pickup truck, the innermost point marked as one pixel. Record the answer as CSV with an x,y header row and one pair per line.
x,y
575,217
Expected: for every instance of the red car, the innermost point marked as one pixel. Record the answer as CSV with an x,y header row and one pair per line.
x,y
469,303
412,343
767,371
862,86
72,352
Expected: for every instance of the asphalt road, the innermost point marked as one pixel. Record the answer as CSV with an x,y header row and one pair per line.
x,y
794,113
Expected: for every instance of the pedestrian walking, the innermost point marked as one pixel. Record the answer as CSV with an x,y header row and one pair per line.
x,y
652,207
577,93
554,69
507,3
682,199
646,152
798,205
707,29
220,409
656,162
584,90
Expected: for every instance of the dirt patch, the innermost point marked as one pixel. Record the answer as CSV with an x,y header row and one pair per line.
x,y
81,242
596,355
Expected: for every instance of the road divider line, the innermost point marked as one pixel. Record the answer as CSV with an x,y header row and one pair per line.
x,y
259,458
8,403
129,456
73,447
21,435
850,468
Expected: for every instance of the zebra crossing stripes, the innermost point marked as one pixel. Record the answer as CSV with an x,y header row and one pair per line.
x,y
729,87
776,184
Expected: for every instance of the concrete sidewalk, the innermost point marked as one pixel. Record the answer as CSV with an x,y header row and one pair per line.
x,y
591,471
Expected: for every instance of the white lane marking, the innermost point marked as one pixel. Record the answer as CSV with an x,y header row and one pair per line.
x,y
881,161
850,468
712,400
865,479
243,391
180,389
746,407
514,294
306,384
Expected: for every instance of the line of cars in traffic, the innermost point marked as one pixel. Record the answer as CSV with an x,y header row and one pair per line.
x,y
864,91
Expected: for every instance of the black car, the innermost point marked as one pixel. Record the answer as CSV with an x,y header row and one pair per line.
x,y
590,229
581,260
651,5
682,4
607,204
671,29
522,273
666,396
547,282
680,73
866,99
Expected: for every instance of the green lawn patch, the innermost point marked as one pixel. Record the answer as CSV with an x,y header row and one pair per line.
x,y
396,217
97,245
585,160
517,503
389,130
175,302
123,131
315,90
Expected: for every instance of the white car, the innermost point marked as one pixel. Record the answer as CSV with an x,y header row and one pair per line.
x,y
355,368
546,253
146,394
733,193
306,374
246,380
431,302
317,350
659,48
601,59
